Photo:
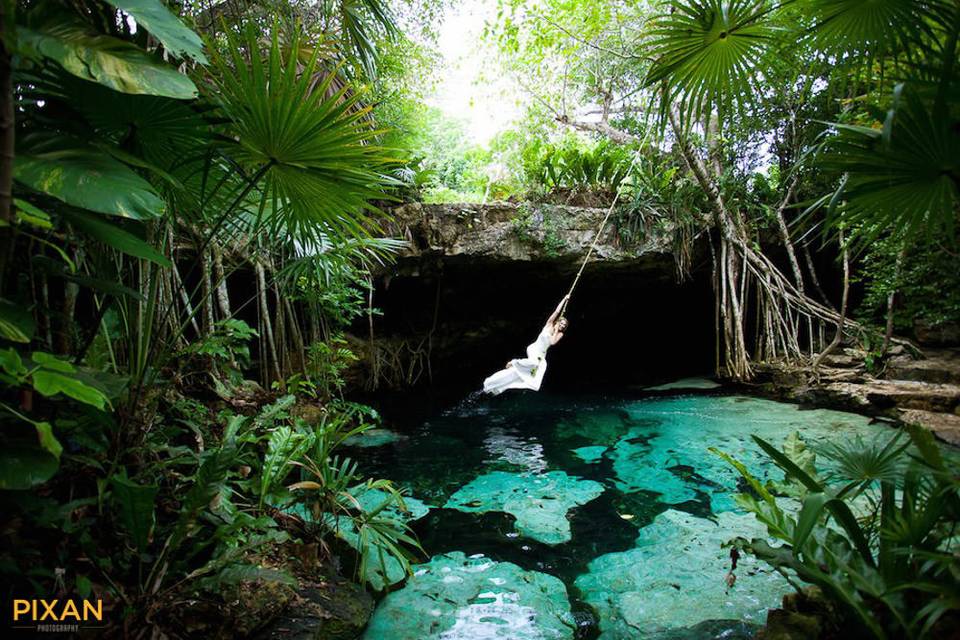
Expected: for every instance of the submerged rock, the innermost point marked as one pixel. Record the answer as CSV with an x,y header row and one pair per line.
x,y
676,578
373,438
539,502
672,456
454,597
687,383
590,454
598,427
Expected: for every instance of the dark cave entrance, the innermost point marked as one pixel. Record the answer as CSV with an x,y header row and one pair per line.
x,y
632,323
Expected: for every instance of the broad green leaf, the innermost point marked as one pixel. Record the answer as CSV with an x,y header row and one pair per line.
x,y
31,215
50,383
47,440
116,237
51,362
85,178
113,63
24,467
708,53
11,363
16,323
176,37
135,503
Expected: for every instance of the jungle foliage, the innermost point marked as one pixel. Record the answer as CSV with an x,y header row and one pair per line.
x,y
875,531
147,168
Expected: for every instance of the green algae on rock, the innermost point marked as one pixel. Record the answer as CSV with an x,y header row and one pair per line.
x,y
539,502
675,578
455,597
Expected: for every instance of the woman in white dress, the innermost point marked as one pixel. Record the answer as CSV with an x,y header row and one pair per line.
x,y
527,373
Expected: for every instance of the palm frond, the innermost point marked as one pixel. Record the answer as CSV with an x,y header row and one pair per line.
x,y
877,27
706,53
320,169
905,176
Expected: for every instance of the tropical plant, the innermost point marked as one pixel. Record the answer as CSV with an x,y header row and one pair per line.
x,y
876,533
329,489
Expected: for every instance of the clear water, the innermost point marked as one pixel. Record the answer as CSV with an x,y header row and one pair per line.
x,y
618,498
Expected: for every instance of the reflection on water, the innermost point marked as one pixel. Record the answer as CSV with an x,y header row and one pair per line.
x,y
524,453
643,555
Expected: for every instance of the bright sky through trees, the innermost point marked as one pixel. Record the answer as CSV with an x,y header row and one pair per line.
x,y
471,86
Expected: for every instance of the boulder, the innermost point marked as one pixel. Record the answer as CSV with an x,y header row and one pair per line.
x,y
335,609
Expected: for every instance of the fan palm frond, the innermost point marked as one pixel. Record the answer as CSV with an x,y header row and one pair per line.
x,y
872,27
905,176
313,151
706,52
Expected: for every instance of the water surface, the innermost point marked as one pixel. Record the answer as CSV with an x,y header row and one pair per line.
x,y
617,497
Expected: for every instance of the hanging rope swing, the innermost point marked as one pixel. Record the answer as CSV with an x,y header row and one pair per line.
x,y
593,245
528,372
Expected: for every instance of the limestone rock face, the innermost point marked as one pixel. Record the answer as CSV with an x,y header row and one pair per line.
x,y
506,231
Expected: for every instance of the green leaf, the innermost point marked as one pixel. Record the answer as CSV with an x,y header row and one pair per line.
x,y
84,586
47,440
113,63
51,362
707,52
906,183
50,383
116,237
25,466
11,363
85,178
838,509
176,37
16,323
135,502
31,215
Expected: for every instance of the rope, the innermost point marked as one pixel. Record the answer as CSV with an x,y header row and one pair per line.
x,y
593,245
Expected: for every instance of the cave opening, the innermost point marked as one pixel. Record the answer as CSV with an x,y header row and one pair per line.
x,y
631,323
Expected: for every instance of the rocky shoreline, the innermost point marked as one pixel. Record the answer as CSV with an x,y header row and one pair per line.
x,y
921,389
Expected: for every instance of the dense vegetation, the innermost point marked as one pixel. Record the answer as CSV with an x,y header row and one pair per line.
x,y
192,204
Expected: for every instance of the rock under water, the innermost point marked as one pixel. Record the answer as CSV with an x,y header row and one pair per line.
x,y
539,502
455,597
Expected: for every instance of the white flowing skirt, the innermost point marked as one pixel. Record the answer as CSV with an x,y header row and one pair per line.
x,y
523,373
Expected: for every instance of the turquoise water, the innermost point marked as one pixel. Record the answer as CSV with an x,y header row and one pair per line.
x,y
584,516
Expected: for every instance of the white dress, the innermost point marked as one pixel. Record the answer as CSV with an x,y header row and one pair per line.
x,y
523,373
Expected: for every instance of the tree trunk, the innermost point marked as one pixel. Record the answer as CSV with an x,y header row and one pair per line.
x,y
206,304
892,296
267,326
838,336
223,294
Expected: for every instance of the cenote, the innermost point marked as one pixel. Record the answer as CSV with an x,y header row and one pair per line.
x,y
564,515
